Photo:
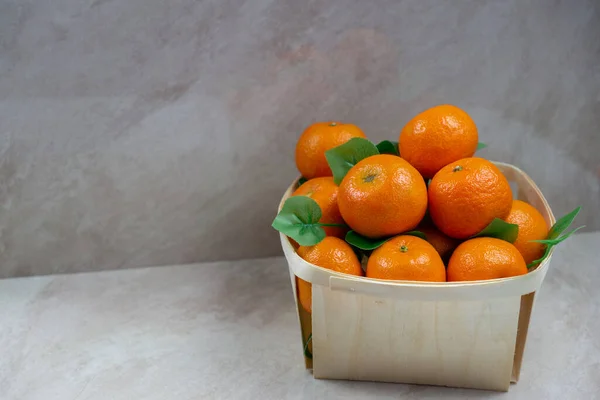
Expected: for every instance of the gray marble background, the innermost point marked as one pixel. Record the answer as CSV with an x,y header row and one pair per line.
x,y
148,132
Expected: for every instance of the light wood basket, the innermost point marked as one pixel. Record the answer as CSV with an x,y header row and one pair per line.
x,y
460,334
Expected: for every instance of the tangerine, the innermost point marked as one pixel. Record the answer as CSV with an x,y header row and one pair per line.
x,y
382,195
485,258
466,195
437,137
407,258
316,140
443,243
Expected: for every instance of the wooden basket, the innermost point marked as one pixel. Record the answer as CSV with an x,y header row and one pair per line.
x,y
461,334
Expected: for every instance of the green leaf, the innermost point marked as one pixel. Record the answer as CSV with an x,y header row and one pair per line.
x,y
346,156
554,242
388,147
365,243
554,236
563,223
299,219
362,242
418,234
302,181
481,146
500,230
307,352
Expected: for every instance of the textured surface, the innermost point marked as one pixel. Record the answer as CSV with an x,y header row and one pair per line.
x,y
148,132
229,331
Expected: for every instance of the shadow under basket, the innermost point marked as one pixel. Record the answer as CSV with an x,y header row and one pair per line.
x,y
459,334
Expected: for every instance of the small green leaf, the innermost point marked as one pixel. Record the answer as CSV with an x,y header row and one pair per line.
x,y
388,147
554,242
554,236
563,223
346,156
481,146
307,352
418,234
500,230
302,181
299,219
550,242
362,242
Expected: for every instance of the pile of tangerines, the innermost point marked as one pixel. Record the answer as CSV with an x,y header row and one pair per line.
x,y
420,209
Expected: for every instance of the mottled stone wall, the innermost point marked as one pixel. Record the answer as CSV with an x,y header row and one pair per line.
x,y
148,132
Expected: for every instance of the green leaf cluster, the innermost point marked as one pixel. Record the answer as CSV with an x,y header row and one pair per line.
x,y
299,219
556,236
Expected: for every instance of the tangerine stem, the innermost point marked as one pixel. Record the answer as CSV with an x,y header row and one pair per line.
x,y
333,123
457,168
403,248
369,178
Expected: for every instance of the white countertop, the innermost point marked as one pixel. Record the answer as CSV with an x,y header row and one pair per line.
x,y
228,330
